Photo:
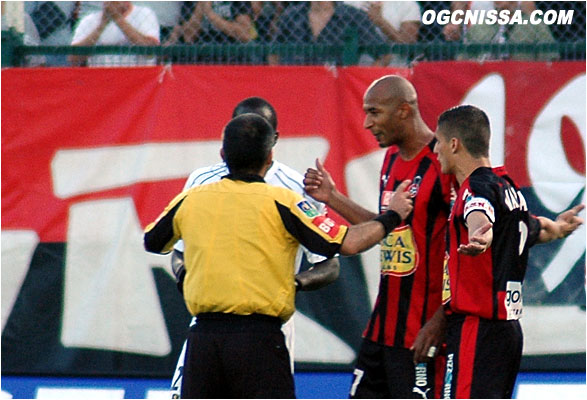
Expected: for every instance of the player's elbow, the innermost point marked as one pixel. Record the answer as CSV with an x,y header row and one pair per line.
x,y
350,248
152,244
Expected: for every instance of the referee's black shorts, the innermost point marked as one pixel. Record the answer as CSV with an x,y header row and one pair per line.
x,y
237,356
483,357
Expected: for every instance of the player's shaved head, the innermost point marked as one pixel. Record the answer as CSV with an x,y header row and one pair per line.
x,y
391,88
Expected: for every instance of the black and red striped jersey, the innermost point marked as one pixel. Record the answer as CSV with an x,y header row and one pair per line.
x,y
489,285
412,255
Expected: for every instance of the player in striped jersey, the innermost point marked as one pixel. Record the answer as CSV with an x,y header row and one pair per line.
x,y
411,256
490,232
321,274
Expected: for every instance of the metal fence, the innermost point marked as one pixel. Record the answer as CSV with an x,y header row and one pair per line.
x,y
63,33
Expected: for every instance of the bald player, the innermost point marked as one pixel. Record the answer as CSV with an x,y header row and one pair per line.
x,y
411,255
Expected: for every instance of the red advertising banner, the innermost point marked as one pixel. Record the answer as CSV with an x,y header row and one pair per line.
x,y
90,156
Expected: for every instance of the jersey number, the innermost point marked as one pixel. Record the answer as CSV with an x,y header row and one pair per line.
x,y
523,236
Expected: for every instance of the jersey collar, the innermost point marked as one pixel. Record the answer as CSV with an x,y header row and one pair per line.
x,y
244,177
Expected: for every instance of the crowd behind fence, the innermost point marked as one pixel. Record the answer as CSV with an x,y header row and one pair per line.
x,y
398,33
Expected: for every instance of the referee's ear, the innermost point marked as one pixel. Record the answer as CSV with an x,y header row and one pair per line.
x,y
269,158
222,154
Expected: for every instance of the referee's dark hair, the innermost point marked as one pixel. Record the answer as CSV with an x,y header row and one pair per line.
x,y
257,105
247,142
470,125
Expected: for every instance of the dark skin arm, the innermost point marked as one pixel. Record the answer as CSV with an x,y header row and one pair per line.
x,y
319,275
431,334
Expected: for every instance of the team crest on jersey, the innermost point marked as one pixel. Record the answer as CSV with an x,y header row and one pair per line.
x,y
308,209
399,254
415,186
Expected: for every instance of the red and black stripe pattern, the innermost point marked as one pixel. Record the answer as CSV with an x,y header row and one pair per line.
x,y
408,297
483,358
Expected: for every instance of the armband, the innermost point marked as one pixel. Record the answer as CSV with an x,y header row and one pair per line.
x,y
390,220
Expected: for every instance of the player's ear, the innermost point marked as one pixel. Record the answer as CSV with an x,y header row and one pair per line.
x,y
454,144
222,154
269,158
404,110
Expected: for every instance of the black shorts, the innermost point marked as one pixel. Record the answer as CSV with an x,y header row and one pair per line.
x,y
237,356
483,357
389,372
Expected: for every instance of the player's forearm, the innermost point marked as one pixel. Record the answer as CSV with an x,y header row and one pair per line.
x,y
320,275
363,236
348,209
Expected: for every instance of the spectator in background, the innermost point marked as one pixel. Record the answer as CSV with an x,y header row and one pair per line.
x,y
452,32
119,23
324,23
265,17
89,7
53,21
396,21
568,34
509,34
216,22
433,33
168,14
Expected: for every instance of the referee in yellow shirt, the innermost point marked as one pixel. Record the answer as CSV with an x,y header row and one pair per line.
x,y
241,236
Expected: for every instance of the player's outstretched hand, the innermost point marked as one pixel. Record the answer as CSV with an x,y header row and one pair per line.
x,y
401,200
569,220
478,242
318,183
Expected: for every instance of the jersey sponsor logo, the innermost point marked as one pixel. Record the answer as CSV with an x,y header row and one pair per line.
x,y
326,225
399,255
446,294
513,300
308,209
479,204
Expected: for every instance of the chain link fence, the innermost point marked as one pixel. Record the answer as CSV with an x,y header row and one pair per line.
x,y
398,33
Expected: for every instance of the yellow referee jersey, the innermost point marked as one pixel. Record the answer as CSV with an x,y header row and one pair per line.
x,y
241,236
